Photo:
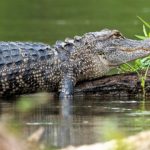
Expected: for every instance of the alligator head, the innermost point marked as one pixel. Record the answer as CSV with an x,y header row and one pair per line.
x,y
110,48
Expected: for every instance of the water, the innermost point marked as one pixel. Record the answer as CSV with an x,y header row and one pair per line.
x,y
83,120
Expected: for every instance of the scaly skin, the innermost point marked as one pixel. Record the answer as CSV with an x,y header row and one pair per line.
x,y
26,68
30,67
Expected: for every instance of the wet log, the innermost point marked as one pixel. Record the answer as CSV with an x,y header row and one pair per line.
x,y
114,85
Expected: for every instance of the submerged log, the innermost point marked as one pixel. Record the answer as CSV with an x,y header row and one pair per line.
x,y
118,84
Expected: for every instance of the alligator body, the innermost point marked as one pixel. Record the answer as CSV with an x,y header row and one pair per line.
x,y
27,67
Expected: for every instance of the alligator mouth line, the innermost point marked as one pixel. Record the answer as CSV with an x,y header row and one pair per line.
x,y
134,49
117,65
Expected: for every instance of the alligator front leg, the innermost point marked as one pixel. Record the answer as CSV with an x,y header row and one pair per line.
x,y
67,82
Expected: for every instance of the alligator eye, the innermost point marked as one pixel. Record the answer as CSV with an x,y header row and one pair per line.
x,y
117,35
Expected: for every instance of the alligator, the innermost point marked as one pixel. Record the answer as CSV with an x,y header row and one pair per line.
x,y
28,67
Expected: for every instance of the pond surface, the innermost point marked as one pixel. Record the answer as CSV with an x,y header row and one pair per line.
x,y
83,120
90,118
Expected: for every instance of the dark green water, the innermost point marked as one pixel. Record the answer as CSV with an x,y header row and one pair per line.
x,y
89,119
51,20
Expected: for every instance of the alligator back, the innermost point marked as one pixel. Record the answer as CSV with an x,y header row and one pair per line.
x,y
18,52
24,67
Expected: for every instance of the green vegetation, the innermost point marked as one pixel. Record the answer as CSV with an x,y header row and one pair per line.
x,y
146,29
140,64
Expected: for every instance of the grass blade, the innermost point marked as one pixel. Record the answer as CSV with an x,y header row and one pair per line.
x,y
144,31
144,22
140,37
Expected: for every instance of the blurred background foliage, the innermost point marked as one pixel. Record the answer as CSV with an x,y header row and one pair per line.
x,y
51,20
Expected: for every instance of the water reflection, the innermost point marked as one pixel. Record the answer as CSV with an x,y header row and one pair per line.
x,y
66,122
82,119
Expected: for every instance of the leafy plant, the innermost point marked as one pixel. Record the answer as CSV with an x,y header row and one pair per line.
x,y
137,67
140,64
